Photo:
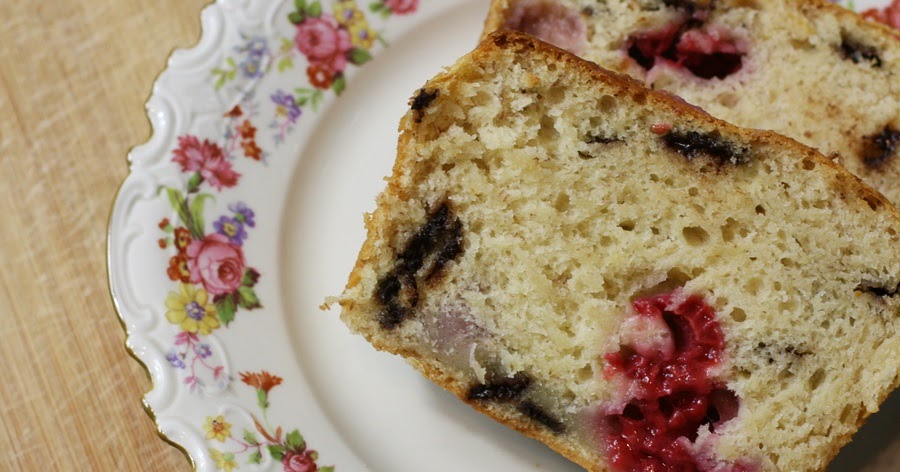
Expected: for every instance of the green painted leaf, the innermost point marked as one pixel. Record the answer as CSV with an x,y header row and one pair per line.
x,y
250,438
339,84
359,56
314,9
178,203
285,63
276,451
316,98
300,4
381,40
262,398
376,7
197,211
225,308
296,17
251,277
220,81
247,298
230,62
286,44
328,468
194,182
256,458
294,441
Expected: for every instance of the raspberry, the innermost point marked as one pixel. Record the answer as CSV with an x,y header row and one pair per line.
x,y
656,431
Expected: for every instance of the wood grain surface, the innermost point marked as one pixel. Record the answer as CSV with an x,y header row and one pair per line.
x,y
74,76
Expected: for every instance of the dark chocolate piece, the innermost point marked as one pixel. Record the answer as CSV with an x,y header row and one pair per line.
x,y
421,101
692,144
502,389
535,412
881,148
858,52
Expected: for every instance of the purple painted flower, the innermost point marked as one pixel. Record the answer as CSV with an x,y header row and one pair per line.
x,y
203,351
243,213
256,46
175,360
232,229
251,67
286,106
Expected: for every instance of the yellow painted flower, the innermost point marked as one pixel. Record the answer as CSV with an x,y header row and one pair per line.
x,y
191,308
224,461
217,428
346,12
362,35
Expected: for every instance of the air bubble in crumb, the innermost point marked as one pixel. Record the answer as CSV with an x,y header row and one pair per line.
x,y
738,314
816,379
695,235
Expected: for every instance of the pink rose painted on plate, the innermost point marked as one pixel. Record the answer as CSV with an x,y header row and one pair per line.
x,y
324,42
299,462
217,264
402,7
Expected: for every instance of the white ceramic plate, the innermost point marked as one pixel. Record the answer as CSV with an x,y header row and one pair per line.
x,y
258,175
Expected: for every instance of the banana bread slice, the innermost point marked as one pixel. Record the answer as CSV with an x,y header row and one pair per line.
x,y
625,278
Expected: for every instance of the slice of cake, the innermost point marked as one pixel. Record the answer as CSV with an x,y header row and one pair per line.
x,y
617,274
807,69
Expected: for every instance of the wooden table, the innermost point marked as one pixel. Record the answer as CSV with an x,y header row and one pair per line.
x,y
74,75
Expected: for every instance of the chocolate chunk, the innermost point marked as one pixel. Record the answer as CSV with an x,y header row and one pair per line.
x,y
535,412
878,290
421,101
859,52
388,288
392,315
879,149
602,140
439,239
451,249
692,144
690,6
425,240
501,389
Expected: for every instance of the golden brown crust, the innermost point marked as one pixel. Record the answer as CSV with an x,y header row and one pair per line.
x,y
504,42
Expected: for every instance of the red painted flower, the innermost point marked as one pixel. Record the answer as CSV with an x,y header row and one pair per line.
x,y
182,239
191,154
247,130
261,380
164,223
299,461
402,7
251,150
178,269
216,263
324,42
207,159
889,15
219,174
234,112
319,77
